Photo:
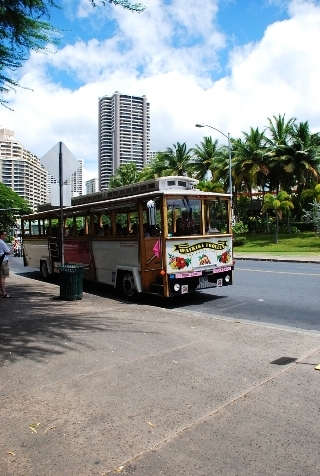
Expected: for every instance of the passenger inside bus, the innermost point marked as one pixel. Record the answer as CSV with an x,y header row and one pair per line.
x,y
185,225
106,229
134,229
98,230
154,231
146,232
119,230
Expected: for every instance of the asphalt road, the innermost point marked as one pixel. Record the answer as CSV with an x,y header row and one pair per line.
x,y
274,293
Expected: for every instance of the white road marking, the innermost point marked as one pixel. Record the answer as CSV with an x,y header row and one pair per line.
x,y
236,305
276,272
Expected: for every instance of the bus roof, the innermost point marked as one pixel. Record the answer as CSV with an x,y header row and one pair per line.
x,y
109,199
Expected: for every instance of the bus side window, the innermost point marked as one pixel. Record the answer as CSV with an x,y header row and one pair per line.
x,y
106,224
121,224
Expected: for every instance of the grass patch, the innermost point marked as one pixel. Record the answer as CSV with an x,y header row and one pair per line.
x,y
305,242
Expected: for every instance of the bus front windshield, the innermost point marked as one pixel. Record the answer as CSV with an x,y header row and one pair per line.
x,y
216,216
184,216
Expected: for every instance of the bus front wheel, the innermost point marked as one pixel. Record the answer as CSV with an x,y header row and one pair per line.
x,y
128,285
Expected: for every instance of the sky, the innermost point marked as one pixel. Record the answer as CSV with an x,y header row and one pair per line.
x,y
229,64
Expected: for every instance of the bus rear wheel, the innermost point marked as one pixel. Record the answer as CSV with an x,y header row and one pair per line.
x,y
128,285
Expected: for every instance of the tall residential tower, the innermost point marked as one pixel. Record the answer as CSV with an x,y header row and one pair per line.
x,y
124,134
21,170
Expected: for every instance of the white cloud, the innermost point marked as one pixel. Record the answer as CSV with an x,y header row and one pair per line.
x,y
169,54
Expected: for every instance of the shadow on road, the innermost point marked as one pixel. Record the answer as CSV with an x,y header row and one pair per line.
x,y
103,290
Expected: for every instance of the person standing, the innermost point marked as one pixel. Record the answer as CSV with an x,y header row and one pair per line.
x,y
4,268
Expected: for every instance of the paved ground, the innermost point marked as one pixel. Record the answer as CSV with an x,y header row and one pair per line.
x,y
119,388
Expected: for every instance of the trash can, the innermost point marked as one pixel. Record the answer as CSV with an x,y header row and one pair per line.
x,y
71,282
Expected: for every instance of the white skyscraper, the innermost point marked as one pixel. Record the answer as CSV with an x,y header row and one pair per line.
x,y
92,186
124,134
21,170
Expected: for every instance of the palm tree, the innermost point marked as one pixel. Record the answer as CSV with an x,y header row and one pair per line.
x,y
281,133
209,186
125,175
298,159
303,159
249,159
178,159
156,168
205,158
279,203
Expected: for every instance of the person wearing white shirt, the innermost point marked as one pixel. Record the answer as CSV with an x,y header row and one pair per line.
x,y
4,268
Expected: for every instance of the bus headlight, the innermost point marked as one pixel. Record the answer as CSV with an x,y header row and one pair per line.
x,y
227,278
176,287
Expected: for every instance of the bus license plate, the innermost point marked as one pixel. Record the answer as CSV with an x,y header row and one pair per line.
x,y
203,280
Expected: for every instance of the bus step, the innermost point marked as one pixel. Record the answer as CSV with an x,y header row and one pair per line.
x,y
156,288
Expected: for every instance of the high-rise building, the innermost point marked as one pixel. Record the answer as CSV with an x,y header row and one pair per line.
x,y
76,182
152,155
21,170
124,134
92,186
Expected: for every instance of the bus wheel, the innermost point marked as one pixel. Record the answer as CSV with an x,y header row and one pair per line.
x,y
128,286
44,270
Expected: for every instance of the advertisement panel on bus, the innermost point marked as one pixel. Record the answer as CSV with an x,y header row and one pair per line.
x,y
194,255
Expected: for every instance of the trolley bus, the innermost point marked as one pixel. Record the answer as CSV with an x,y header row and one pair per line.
x,y
162,236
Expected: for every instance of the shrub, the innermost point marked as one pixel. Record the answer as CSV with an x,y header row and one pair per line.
x,y
239,228
239,240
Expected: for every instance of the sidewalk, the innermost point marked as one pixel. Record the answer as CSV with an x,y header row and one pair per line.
x,y
101,386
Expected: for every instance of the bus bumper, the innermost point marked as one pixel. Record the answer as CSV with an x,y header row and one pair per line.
x,y
208,279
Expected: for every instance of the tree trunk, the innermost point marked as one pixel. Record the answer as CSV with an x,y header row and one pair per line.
x,y
268,225
288,223
276,239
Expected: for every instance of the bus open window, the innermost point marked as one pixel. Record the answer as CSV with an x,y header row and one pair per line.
x,y
184,216
122,224
151,217
82,227
105,222
216,217
133,223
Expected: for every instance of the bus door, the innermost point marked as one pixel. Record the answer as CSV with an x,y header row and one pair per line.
x,y
150,244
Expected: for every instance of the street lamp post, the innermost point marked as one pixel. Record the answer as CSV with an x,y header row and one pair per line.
x,y
229,151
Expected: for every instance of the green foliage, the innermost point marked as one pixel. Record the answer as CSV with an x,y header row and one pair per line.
x,y
283,159
239,240
239,228
205,158
22,30
313,216
133,7
242,208
155,168
11,206
177,159
279,204
208,186
301,243
125,175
